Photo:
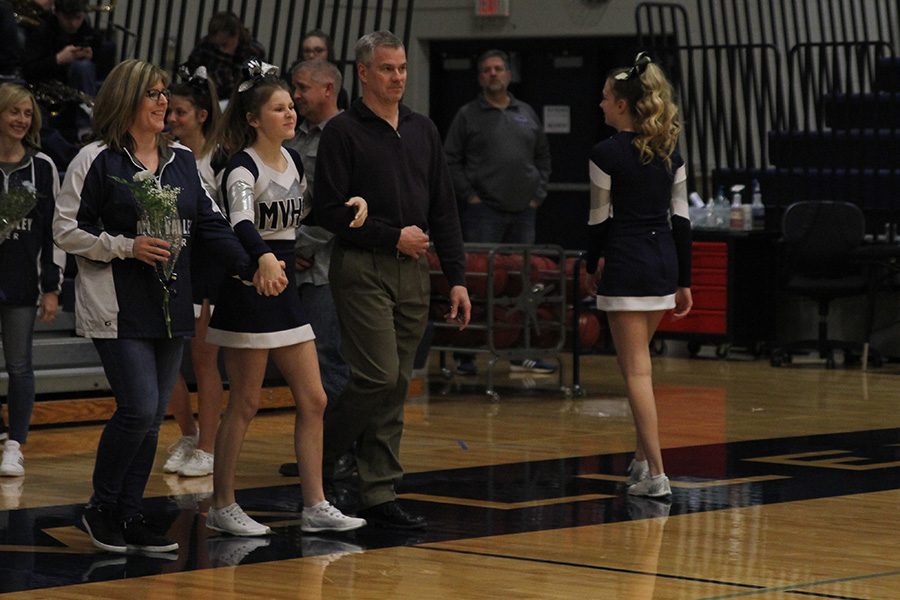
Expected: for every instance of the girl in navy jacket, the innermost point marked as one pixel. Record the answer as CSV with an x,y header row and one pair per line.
x,y
30,266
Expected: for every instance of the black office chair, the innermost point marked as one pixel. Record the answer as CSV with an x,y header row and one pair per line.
x,y
821,242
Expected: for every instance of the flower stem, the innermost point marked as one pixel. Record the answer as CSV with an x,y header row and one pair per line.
x,y
166,313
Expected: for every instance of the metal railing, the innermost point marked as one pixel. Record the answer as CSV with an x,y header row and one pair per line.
x,y
725,60
165,31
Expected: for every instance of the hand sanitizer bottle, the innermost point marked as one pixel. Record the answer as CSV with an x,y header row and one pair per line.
x,y
757,208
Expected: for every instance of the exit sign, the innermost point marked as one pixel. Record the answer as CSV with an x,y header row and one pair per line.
x,y
492,8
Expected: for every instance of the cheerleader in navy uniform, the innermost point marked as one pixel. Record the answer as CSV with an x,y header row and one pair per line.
x,y
30,265
263,187
639,224
193,118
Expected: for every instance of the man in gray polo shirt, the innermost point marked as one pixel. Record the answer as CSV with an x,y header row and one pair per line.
x,y
316,86
499,159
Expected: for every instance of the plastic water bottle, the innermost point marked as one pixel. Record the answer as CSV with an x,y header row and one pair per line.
x,y
709,218
736,220
723,210
757,208
696,210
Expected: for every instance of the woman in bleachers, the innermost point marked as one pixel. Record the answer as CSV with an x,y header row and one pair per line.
x,y
317,45
224,50
30,265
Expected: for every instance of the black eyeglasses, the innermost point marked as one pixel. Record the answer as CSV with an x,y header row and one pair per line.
x,y
155,94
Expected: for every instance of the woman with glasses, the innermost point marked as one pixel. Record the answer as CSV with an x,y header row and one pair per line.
x,y
317,45
120,286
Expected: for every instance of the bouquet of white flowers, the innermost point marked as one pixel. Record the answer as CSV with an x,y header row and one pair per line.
x,y
15,205
159,219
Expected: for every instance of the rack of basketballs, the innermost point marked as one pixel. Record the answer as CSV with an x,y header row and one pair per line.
x,y
521,307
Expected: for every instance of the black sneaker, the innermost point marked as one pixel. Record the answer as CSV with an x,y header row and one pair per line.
x,y
138,536
391,515
104,528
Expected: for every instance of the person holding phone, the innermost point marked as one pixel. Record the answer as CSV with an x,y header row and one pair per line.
x,y
62,48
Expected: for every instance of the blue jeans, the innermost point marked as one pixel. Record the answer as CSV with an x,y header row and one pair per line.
x,y
318,307
141,373
485,225
17,327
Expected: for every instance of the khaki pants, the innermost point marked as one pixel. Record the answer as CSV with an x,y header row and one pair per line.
x,y
382,303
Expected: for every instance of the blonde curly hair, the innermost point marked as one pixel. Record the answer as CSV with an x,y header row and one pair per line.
x,y
653,111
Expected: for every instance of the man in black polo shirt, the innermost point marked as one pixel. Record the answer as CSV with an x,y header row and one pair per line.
x,y
379,149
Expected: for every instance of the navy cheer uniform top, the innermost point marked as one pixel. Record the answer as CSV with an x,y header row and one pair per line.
x,y
639,222
265,207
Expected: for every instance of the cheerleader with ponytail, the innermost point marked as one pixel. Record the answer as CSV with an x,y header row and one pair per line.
x,y
193,118
640,227
264,193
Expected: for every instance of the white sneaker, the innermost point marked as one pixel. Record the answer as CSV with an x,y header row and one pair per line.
x,y
637,470
232,519
652,487
179,452
325,517
199,464
13,464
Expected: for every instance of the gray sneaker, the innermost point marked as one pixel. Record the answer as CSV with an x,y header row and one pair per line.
x,y
637,470
325,517
199,464
232,519
179,452
651,487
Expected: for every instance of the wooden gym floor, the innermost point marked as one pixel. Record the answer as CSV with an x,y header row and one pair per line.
x,y
786,486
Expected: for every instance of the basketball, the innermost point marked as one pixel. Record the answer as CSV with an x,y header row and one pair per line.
x,y
588,328
512,265
585,280
476,275
507,327
439,284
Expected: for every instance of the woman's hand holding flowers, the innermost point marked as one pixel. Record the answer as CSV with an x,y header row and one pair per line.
x,y
150,250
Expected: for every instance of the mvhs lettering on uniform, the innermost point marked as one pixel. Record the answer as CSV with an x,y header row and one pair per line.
x,y
279,214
